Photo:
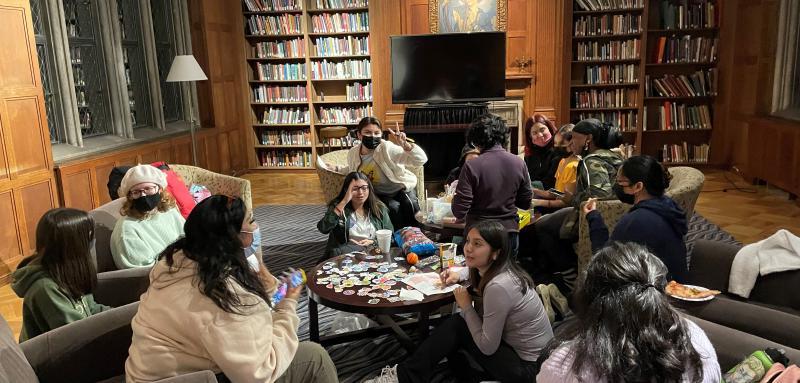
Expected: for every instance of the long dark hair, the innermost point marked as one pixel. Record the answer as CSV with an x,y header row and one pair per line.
x,y
63,247
495,235
212,240
372,205
628,331
648,171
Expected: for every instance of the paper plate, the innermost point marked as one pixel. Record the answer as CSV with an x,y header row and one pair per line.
x,y
700,288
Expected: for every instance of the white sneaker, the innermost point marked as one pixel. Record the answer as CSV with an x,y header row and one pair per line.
x,y
558,300
388,375
544,294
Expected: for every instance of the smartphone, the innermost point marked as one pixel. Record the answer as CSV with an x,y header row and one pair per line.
x,y
556,192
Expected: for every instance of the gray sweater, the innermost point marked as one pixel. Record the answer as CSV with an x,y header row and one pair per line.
x,y
508,315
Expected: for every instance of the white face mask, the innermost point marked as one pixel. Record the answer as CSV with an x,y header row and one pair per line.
x,y
253,261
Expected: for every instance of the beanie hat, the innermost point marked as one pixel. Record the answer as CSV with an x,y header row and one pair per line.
x,y
587,127
140,174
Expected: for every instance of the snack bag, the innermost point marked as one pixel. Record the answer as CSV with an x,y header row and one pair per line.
x,y
411,239
296,278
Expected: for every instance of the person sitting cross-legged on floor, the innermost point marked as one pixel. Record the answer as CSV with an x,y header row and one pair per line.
x,y
655,220
209,308
627,331
353,217
504,334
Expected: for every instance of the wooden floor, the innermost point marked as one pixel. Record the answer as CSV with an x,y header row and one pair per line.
x,y
749,217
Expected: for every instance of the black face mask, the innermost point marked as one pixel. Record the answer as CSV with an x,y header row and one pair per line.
x,y
622,196
371,142
146,203
560,151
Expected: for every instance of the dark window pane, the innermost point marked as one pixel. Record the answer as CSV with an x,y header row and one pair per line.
x,y
165,52
134,61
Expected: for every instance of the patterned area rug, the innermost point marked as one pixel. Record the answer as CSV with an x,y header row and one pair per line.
x,y
290,238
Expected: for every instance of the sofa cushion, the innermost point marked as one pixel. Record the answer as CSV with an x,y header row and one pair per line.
x,y
14,368
105,218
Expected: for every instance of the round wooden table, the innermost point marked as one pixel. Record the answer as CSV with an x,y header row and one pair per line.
x,y
384,311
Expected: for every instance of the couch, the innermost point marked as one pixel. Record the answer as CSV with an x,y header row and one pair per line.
x,y
119,287
684,189
89,350
331,181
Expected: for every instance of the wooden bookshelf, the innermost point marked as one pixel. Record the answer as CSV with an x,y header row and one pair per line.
x,y
291,141
686,79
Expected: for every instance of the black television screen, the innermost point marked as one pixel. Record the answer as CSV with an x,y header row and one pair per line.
x,y
452,67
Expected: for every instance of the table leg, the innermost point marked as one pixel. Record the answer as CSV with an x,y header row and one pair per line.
x,y
401,335
423,323
313,321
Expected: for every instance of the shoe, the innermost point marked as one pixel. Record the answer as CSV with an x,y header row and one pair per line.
x,y
558,300
544,293
388,375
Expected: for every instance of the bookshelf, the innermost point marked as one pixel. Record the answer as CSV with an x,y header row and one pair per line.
x,y
650,67
309,67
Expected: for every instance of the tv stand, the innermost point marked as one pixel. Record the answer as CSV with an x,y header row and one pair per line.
x,y
444,117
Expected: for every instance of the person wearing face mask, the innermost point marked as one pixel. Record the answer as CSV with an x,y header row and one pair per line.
x,y
209,308
468,152
655,220
384,162
566,173
150,219
56,283
542,152
353,217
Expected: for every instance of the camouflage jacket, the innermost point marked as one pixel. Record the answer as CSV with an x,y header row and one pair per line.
x,y
597,173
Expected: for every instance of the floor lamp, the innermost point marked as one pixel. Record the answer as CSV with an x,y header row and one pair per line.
x,y
186,69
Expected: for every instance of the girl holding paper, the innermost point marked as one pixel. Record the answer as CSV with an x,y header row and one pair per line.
x,y
505,334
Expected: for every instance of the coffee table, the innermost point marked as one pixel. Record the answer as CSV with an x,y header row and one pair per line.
x,y
385,312
444,231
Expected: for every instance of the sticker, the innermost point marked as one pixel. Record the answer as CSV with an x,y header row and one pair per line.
x,y
393,299
348,292
338,289
329,285
374,301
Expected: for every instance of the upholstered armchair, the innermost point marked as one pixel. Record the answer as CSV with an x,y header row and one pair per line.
x,y
331,182
684,189
215,182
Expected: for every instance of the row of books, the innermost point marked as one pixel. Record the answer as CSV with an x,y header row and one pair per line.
x,y
286,116
346,141
607,5
286,71
284,24
333,4
626,121
700,83
285,137
627,150
683,153
344,115
340,22
279,49
323,70
285,158
274,93
610,50
608,25
612,74
341,46
685,49
688,14
273,5
676,116
359,92
606,98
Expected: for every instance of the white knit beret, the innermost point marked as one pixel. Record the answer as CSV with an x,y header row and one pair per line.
x,y
140,174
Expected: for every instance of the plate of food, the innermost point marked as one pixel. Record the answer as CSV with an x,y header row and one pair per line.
x,y
690,293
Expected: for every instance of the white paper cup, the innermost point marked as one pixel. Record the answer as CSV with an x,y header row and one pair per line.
x,y
384,240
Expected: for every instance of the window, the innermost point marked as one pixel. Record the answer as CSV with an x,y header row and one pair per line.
x,y
786,83
103,67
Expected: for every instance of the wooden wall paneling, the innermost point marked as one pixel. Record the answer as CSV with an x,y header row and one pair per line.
x,y
224,144
30,145
36,199
77,188
101,173
387,18
18,70
416,20
547,19
9,235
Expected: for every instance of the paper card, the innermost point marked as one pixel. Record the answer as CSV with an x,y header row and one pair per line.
x,y
411,295
428,283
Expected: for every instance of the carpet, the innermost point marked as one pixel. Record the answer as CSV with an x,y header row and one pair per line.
x,y
290,238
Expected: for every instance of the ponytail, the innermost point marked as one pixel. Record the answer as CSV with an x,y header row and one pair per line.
x,y
647,170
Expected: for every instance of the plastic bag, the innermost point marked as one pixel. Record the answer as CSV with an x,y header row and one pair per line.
x,y
441,210
345,322
411,239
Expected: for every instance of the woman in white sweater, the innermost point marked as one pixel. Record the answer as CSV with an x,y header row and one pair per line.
x,y
208,308
385,164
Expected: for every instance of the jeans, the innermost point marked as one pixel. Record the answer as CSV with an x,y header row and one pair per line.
x,y
453,336
402,207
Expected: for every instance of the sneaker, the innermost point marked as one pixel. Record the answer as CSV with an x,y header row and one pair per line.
x,y
544,293
558,300
388,375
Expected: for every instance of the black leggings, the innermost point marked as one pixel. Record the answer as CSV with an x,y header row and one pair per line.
x,y
446,341
402,207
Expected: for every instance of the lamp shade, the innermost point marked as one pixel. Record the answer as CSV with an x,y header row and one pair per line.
x,y
185,68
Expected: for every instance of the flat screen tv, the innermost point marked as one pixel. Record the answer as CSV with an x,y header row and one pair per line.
x,y
451,67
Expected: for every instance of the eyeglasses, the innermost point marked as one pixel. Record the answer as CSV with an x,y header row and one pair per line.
x,y
149,190
364,188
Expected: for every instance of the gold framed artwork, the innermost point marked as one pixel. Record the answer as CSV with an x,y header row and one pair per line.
x,y
451,16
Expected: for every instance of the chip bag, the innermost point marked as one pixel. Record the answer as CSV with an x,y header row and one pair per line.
x,y
411,239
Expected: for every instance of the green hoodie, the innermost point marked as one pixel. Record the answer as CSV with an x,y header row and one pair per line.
x,y
45,306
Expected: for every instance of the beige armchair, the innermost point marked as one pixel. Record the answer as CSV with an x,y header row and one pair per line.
x,y
331,182
215,182
684,189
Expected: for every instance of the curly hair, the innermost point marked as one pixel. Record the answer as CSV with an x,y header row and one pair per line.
x,y
487,131
167,202
628,331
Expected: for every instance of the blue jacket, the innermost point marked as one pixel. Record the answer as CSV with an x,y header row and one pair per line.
x,y
658,223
